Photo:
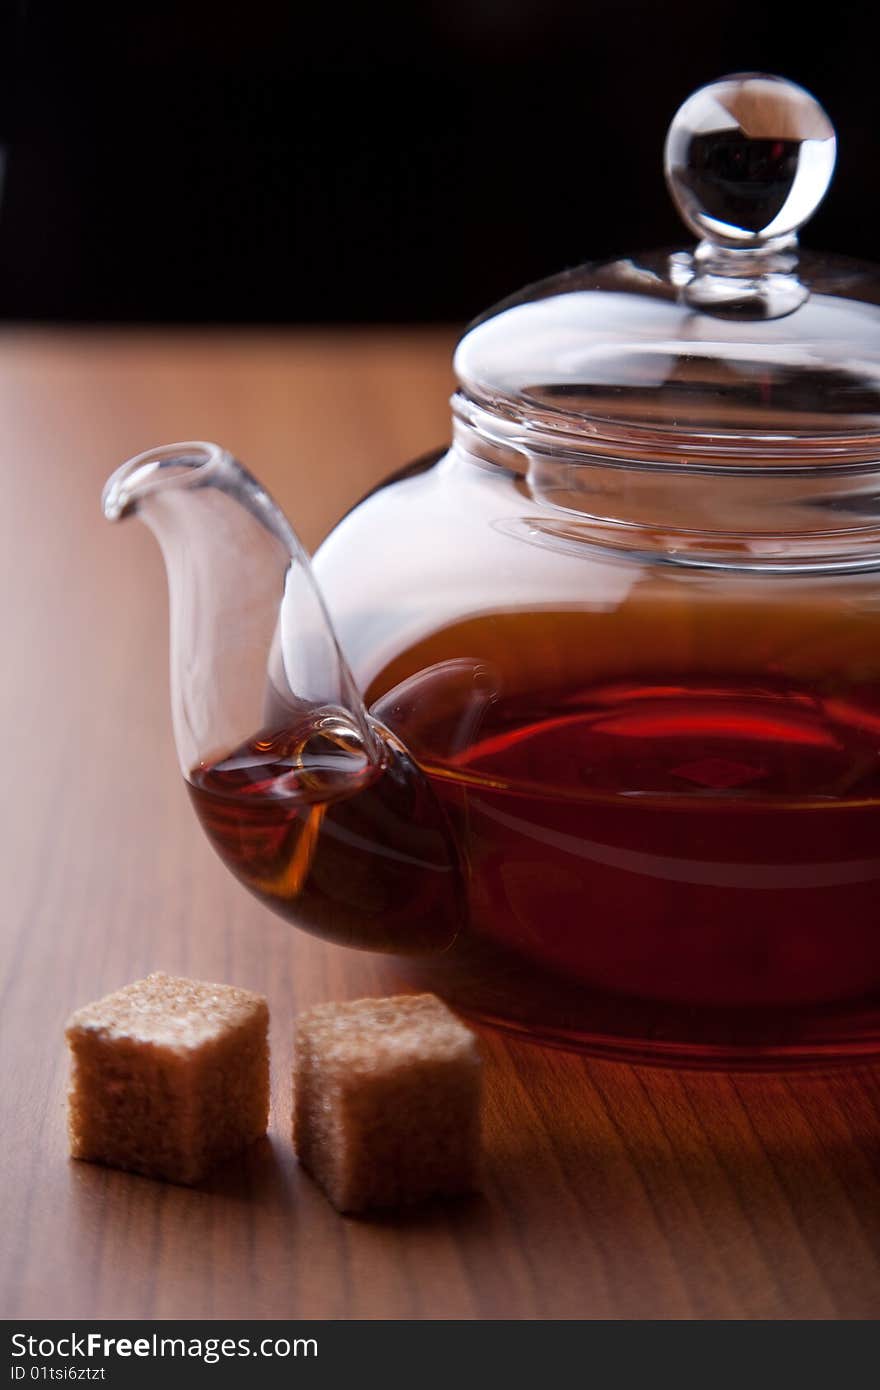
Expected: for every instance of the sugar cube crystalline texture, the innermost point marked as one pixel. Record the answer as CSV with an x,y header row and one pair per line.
x,y
168,1076
387,1101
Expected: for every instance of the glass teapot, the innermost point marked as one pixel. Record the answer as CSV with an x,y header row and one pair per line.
x,y
581,719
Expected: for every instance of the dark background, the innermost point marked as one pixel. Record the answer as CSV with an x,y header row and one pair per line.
x,y
269,162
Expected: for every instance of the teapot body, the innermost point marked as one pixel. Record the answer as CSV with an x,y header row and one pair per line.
x,y
656,747
580,720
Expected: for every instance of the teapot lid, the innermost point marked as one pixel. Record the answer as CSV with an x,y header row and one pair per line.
x,y
743,349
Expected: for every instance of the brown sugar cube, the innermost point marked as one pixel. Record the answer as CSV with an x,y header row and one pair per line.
x,y
387,1101
168,1076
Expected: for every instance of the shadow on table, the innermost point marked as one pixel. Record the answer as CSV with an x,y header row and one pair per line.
x,y
759,1194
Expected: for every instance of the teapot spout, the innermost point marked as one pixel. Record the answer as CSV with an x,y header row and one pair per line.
x,y
313,804
251,642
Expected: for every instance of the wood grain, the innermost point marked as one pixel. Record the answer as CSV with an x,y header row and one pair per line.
x,y
610,1192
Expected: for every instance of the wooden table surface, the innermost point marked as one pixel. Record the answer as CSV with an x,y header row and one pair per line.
x,y
610,1192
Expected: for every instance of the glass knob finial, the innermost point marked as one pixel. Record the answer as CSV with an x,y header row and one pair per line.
x,y
749,159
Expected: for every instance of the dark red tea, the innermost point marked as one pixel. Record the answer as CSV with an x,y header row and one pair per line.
x,y
659,868
683,863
